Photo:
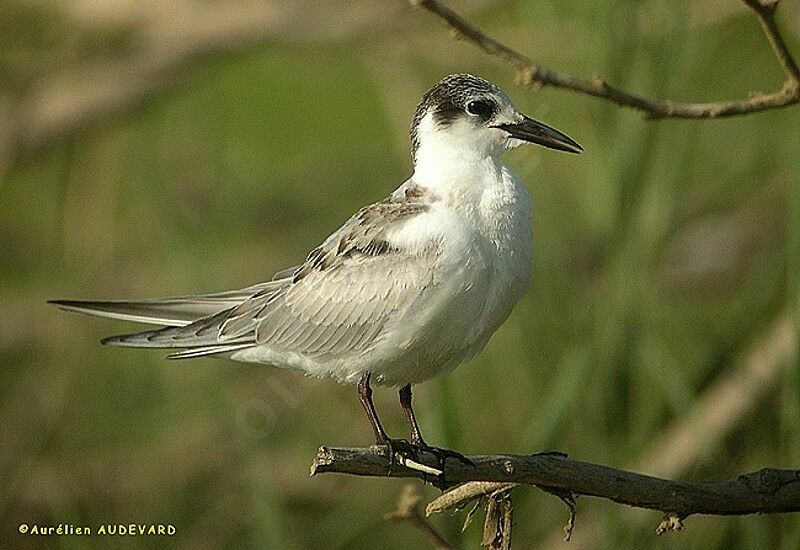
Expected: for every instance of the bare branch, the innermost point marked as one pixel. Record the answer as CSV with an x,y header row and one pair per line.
x,y
765,491
765,11
535,76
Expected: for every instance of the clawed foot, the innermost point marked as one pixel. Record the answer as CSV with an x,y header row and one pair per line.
x,y
443,454
401,447
409,450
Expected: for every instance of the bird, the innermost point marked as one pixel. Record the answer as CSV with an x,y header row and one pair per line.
x,y
406,289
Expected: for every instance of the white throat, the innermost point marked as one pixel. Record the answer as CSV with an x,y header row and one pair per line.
x,y
456,159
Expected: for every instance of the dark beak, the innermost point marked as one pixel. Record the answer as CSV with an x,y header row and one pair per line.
x,y
541,134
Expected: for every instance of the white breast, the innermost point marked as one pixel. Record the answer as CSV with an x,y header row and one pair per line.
x,y
506,216
483,271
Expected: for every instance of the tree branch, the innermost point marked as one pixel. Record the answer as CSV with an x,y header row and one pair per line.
x,y
534,75
766,491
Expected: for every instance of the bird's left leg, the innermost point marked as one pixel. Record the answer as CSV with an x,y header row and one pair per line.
x,y
365,397
416,436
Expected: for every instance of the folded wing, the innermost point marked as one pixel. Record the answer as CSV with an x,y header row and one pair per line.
x,y
338,301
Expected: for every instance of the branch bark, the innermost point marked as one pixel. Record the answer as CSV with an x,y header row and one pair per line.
x,y
535,76
765,491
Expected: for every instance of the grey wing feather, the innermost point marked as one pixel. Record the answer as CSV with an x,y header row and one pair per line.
x,y
343,310
347,290
338,301
191,353
202,332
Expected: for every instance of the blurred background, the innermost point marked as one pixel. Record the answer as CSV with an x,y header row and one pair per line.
x,y
157,149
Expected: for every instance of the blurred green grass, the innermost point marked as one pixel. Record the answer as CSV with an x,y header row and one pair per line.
x,y
663,254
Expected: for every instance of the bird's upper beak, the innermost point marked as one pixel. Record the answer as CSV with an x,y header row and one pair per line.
x,y
538,132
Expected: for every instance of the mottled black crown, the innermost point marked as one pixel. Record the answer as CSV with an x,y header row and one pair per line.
x,y
447,101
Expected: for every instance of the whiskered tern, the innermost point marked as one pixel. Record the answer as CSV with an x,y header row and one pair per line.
x,y
407,289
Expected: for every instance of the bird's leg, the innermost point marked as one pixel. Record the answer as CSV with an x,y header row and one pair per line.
x,y
365,396
393,446
416,436
405,402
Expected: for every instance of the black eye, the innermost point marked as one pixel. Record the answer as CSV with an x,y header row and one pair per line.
x,y
480,108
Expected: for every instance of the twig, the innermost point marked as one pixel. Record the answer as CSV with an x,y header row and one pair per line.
x,y
458,497
497,526
408,511
569,500
534,75
670,523
765,491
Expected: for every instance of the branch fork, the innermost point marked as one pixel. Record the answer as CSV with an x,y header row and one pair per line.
x,y
535,76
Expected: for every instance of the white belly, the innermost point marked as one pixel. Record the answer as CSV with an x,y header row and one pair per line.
x,y
457,326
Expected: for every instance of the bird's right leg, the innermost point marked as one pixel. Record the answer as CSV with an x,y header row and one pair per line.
x,y
416,436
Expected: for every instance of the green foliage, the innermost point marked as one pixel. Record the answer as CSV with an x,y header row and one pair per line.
x,y
663,254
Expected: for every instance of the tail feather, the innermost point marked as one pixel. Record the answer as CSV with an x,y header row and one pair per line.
x,y
180,311
192,323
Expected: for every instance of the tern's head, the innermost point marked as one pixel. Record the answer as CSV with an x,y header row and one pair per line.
x,y
466,113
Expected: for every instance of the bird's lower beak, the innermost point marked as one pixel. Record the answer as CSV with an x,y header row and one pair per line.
x,y
541,134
